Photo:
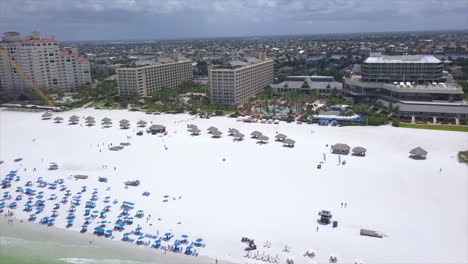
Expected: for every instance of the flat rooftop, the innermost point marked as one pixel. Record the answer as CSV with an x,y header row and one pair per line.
x,y
403,59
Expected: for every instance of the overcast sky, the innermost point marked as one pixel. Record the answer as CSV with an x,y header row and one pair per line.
x,y
166,19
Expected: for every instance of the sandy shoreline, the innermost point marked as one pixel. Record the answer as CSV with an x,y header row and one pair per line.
x,y
221,190
77,245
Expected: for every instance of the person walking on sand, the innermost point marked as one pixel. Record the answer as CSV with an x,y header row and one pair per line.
x,y
341,205
345,205
317,229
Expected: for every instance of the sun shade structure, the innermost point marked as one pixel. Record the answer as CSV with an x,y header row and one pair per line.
x,y
155,129
359,151
195,131
280,137
106,122
58,119
289,143
124,124
216,134
263,139
46,116
239,136
256,134
191,126
141,123
340,148
74,119
418,153
233,131
211,129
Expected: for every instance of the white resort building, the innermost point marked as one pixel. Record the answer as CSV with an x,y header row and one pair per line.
x,y
52,69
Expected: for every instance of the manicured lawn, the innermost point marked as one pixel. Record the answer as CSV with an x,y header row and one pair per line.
x,y
437,127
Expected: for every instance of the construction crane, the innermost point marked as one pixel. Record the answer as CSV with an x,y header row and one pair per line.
x,y
11,63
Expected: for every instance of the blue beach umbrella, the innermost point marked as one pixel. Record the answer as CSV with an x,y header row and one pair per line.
x,y
199,240
127,234
141,237
84,226
109,231
166,196
177,244
168,234
184,236
158,241
189,247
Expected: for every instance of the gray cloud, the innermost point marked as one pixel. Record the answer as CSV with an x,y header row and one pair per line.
x,y
123,19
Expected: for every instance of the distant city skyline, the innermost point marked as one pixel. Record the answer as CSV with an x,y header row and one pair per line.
x,y
178,19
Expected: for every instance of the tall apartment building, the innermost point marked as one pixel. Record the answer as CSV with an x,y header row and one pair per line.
x,y
235,82
51,68
147,77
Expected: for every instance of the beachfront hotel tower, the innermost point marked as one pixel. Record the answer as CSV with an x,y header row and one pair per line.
x,y
234,82
43,62
145,77
404,78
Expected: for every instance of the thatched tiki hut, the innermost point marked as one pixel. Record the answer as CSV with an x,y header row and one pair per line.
x,y
74,120
89,118
195,131
124,124
289,143
216,134
359,151
340,148
238,136
46,116
212,129
233,131
280,137
90,121
106,122
262,139
155,129
141,123
191,126
58,119
418,153
256,134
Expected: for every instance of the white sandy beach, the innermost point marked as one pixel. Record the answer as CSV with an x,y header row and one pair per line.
x,y
264,192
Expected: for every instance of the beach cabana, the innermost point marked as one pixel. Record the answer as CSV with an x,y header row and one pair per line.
x,y
195,131
124,124
233,131
46,116
262,139
256,134
280,137
58,119
289,143
216,134
325,217
359,151
155,129
418,153
141,123
340,148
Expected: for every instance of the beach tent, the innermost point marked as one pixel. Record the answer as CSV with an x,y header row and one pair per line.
x,y
340,148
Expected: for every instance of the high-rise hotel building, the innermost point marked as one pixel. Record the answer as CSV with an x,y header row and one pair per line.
x,y
236,81
146,77
52,69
